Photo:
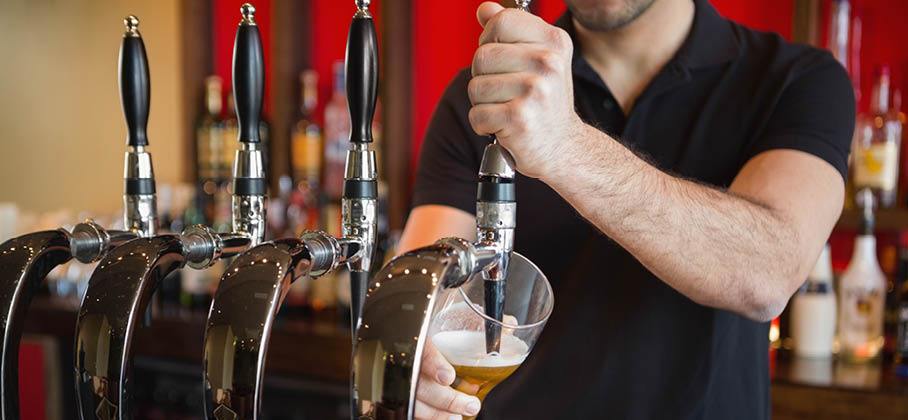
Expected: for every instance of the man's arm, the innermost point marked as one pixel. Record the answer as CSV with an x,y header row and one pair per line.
x,y
746,249
429,223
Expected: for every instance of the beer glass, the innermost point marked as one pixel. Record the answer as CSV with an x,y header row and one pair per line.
x,y
457,329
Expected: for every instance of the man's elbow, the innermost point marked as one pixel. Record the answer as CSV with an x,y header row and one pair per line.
x,y
768,298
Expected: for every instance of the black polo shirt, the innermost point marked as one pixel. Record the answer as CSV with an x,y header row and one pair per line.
x,y
621,343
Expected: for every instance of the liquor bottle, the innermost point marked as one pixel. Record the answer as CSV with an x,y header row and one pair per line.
x,y
306,137
306,159
813,312
839,29
209,148
337,136
877,149
862,294
901,312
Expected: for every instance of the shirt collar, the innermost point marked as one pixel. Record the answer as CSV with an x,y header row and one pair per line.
x,y
712,41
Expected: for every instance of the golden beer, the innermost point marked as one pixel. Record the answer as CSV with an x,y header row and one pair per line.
x,y
477,372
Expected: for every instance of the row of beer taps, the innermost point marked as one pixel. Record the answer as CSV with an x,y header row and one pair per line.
x,y
386,314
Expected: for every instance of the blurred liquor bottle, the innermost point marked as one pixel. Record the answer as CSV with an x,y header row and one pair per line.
x,y
306,159
862,294
876,154
901,309
210,142
337,136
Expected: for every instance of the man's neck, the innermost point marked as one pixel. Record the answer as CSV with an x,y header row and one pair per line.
x,y
628,58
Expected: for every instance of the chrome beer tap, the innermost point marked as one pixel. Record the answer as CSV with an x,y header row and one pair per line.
x,y
26,260
496,219
400,300
254,285
120,288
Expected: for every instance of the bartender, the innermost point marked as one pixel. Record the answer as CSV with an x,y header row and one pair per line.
x,y
678,176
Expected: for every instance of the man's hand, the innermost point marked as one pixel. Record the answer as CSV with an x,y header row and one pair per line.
x,y
522,90
435,399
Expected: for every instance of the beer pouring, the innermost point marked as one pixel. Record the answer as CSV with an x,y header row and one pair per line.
x,y
26,260
254,285
121,286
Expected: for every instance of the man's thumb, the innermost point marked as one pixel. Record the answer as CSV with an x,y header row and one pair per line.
x,y
486,10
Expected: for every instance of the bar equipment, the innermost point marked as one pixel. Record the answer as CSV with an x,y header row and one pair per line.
x,y
120,288
255,284
405,295
26,260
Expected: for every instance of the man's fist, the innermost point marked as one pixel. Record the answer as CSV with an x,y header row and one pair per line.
x,y
522,88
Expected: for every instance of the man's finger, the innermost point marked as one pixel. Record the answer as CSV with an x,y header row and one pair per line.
x,y
497,88
486,10
512,58
512,26
423,411
489,118
445,399
435,366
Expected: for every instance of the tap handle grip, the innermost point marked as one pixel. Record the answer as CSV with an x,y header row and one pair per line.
x,y
135,85
362,75
248,76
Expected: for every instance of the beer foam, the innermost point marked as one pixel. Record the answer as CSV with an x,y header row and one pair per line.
x,y
468,348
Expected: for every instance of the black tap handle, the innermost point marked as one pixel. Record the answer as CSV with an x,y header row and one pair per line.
x,y
135,86
248,76
362,75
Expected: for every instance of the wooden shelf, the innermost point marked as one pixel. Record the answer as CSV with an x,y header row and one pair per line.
x,y
886,219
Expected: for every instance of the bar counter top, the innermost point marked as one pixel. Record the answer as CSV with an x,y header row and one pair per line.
x,y
317,348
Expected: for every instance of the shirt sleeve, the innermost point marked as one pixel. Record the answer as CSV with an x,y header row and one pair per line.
x,y
815,114
449,159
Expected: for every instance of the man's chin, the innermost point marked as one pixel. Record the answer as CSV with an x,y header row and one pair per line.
x,y
607,15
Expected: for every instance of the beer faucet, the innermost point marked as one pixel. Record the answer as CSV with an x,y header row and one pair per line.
x,y
399,302
26,260
254,285
122,285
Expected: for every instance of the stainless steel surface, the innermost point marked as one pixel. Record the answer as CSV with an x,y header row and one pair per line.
x,y
363,4
497,162
118,293
399,303
139,210
202,246
249,216
24,262
239,325
140,214
360,162
360,222
89,241
523,5
248,161
325,252
248,12
132,25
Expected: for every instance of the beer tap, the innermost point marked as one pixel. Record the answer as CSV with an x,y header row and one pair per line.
x,y
254,285
400,300
26,260
496,219
122,285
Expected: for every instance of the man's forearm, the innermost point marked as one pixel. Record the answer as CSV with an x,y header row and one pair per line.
x,y
716,248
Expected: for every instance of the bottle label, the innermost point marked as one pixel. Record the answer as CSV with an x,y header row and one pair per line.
x,y
307,153
862,316
876,166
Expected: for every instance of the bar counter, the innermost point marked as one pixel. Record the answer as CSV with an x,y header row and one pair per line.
x,y
313,352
